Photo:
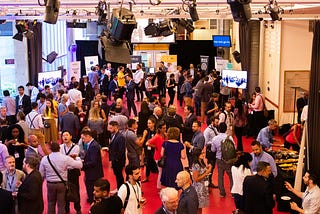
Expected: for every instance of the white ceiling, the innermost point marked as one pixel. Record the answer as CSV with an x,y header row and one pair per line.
x,y
142,8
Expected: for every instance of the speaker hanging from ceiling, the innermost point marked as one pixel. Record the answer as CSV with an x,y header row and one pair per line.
x,y
240,9
52,11
237,56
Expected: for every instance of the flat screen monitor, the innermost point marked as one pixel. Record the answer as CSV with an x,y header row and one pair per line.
x,y
234,79
221,41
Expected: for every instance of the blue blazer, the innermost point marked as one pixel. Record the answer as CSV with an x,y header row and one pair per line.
x,y
130,89
92,164
117,149
112,86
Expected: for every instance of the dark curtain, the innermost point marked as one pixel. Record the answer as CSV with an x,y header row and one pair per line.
x,y
314,102
245,42
35,52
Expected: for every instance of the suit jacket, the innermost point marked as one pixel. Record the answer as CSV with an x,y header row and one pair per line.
x,y
104,85
187,133
30,194
130,89
70,122
92,164
160,211
257,193
20,177
6,202
113,86
117,149
32,152
26,104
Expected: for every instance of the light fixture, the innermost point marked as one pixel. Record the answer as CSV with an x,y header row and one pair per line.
x,y
193,11
155,3
163,28
52,11
274,10
21,28
186,24
102,11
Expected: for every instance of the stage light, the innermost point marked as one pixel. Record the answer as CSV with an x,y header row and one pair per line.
x,y
52,11
151,30
51,57
186,24
102,11
241,10
163,28
274,10
115,51
193,11
21,28
123,22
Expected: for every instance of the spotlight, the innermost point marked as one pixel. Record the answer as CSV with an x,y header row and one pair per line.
x,y
52,11
186,24
272,25
102,11
163,28
274,10
51,57
193,11
265,24
21,28
123,22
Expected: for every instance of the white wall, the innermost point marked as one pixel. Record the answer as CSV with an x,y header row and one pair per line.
x,y
296,43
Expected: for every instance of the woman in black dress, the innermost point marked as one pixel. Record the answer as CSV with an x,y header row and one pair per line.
x,y
171,84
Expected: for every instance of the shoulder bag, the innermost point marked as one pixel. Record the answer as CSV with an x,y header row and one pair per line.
x,y
71,190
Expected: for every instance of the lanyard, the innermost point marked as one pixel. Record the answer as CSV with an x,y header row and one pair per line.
x,y
11,183
136,193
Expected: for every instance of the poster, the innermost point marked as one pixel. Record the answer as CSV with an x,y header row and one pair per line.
x,y
48,78
90,61
220,63
75,70
204,63
170,61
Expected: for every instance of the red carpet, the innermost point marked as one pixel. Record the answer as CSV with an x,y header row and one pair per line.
x,y
217,205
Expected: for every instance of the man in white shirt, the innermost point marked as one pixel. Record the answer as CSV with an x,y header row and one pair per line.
x,y
138,80
74,94
72,150
133,201
33,92
35,124
10,105
310,198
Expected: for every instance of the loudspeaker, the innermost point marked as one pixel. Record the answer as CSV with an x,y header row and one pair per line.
x,y
237,56
51,57
52,11
240,12
122,24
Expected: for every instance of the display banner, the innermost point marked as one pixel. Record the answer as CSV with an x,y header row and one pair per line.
x,y
90,61
204,62
75,70
50,78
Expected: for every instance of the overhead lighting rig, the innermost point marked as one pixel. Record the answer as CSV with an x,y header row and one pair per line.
x,y
274,10
23,30
102,10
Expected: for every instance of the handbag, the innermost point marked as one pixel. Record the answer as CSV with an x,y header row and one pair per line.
x,y
162,162
46,124
71,190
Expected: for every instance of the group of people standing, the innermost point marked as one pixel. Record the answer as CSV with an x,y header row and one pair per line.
x,y
91,116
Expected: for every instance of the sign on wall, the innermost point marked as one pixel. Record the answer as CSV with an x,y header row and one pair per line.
x,y
75,70
50,78
90,61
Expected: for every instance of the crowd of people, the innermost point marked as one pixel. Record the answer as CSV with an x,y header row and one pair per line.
x,y
55,133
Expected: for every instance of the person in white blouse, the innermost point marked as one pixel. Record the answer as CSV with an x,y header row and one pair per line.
x,y
240,170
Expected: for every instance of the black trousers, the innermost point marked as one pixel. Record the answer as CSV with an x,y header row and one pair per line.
x,y
117,170
171,95
259,122
131,105
89,187
73,177
239,131
139,93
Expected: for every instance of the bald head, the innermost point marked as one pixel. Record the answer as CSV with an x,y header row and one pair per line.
x,y
183,179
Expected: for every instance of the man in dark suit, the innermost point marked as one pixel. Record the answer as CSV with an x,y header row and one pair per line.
x,y
23,102
30,192
117,151
258,190
170,200
32,150
92,164
70,122
130,95
187,133
113,87
104,82
6,199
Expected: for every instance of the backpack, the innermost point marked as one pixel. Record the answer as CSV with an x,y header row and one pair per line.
x,y
228,151
128,194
